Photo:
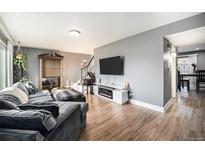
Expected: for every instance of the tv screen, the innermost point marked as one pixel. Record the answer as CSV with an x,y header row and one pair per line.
x,y
111,66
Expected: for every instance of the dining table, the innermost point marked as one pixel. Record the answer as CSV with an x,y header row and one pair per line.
x,y
182,75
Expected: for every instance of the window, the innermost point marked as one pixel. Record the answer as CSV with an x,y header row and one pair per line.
x,y
185,63
2,66
185,66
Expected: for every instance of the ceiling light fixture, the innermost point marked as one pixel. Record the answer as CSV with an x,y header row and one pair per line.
x,y
197,48
74,32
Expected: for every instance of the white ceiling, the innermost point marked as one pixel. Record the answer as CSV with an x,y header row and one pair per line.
x,y
50,30
188,38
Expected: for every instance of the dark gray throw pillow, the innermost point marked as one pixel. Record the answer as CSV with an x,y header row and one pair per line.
x,y
39,120
8,102
51,107
31,88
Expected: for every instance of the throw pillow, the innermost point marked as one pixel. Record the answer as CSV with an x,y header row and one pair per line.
x,y
16,92
31,88
21,86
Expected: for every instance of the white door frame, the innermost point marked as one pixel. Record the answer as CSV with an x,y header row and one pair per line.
x,y
174,70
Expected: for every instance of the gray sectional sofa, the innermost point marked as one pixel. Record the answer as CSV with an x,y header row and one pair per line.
x,y
39,116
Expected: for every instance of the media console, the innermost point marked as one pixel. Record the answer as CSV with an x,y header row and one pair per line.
x,y
116,95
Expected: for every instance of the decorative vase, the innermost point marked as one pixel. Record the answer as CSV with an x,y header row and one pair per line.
x,y
125,85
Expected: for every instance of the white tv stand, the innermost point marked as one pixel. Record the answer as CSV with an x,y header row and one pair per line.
x,y
119,96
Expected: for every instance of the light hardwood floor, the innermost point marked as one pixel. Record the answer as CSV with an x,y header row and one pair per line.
x,y
184,120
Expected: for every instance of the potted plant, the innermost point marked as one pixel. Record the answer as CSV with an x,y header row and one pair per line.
x,y
19,60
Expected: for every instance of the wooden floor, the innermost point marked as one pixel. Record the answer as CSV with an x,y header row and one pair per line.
x,y
184,120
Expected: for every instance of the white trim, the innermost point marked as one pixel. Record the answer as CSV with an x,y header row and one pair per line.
x,y
3,44
169,103
151,106
147,105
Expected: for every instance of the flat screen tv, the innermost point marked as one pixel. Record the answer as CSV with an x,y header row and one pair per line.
x,y
111,66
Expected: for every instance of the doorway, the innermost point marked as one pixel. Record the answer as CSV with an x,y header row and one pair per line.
x,y
187,60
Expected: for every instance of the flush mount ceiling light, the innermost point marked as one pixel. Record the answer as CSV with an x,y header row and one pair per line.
x,y
74,32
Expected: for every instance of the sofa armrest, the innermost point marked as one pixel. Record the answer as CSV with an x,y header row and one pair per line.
x,y
19,135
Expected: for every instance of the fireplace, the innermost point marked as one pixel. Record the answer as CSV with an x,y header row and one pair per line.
x,y
106,92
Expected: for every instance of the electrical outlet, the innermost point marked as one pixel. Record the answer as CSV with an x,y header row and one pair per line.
x,y
130,93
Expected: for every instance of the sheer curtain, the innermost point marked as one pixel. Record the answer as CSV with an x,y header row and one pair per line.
x,y
6,64
2,65
9,58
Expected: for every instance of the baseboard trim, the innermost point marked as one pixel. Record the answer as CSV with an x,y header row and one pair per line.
x,y
147,105
169,103
151,106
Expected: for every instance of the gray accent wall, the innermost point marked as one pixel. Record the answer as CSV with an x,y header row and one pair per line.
x,y
144,63
71,64
201,60
168,47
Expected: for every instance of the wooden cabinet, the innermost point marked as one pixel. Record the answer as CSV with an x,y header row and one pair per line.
x,y
51,70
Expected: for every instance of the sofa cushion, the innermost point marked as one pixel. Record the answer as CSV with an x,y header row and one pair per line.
x,y
16,92
39,94
64,110
68,125
40,120
21,86
83,106
8,102
41,99
51,107
20,135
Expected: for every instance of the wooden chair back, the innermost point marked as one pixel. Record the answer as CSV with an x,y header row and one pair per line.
x,y
200,75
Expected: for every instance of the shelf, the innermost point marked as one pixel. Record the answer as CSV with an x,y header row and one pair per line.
x,y
50,69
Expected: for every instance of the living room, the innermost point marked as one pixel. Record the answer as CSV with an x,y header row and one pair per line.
x,y
70,80
123,82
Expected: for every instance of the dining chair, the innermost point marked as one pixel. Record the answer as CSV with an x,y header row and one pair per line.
x,y
181,82
200,79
